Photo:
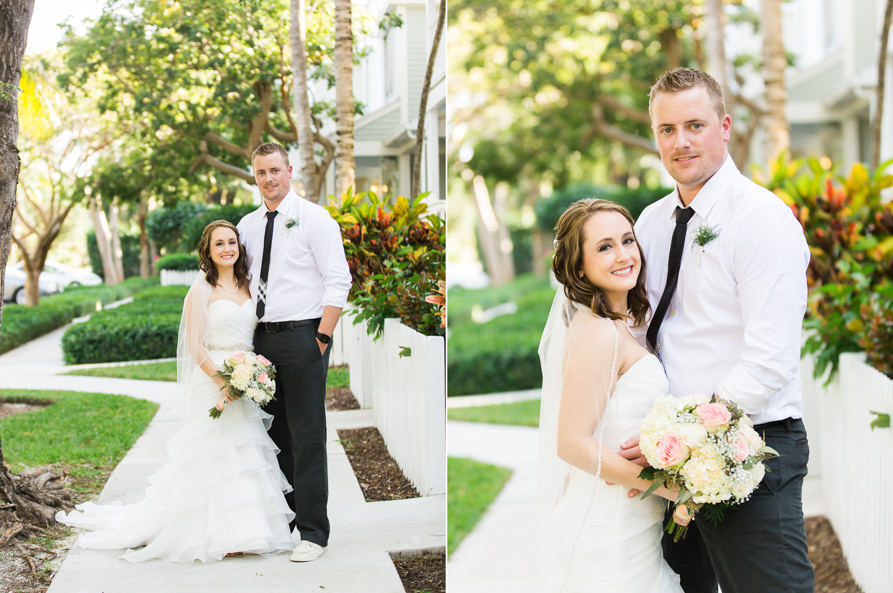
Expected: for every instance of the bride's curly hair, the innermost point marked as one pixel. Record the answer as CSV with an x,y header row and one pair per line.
x,y
240,268
568,263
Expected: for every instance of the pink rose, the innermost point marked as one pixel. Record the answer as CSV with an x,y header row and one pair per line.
x,y
740,447
713,416
263,379
671,451
237,358
262,359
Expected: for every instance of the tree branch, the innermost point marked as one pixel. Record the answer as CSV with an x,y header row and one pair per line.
x,y
279,134
220,165
636,115
224,144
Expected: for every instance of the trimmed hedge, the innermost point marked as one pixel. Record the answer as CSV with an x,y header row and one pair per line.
x,y
500,355
183,262
23,324
143,330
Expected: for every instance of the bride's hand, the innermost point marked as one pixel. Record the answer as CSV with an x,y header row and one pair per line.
x,y
223,403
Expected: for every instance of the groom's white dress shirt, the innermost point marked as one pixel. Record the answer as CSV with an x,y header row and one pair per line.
x,y
734,325
308,270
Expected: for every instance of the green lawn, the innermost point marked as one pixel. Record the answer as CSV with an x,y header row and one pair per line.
x,y
151,371
167,371
86,434
471,487
523,413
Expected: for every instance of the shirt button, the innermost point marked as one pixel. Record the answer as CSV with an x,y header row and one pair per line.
x,y
674,312
658,346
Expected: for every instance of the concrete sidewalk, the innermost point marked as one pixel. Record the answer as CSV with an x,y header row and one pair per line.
x,y
501,555
363,534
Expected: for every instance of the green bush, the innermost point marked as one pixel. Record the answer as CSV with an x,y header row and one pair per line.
x,y
501,354
143,330
23,324
183,262
549,209
166,225
130,249
192,229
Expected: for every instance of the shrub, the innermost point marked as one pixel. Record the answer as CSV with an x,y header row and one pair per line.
x,y
166,225
549,209
396,255
143,330
501,354
849,230
192,229
183,262
877,337
23,324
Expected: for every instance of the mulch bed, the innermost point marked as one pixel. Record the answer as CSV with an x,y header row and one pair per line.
x,y
832,575
427,573
378,474
340,398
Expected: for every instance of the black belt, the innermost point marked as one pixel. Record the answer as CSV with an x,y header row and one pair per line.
x,y
280,326
787,422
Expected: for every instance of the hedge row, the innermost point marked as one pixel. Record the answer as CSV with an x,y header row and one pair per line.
x,y
501,354
183,262
143,330
23,324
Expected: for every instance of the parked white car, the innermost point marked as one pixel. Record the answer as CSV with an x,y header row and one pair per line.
x,y
64,276
14,288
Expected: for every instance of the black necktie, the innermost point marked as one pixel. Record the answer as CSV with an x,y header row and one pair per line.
x,y
265,265
676,245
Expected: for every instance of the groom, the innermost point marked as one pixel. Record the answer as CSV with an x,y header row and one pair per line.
x,y
300,281
728,305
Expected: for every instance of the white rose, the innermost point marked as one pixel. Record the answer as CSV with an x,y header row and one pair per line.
x,y
754,440
694,435
250,359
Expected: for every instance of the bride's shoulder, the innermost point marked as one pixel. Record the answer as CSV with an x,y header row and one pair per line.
x,y
589,329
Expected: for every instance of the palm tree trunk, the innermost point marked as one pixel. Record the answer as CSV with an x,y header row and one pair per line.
x,y
423,106
881,82
345,164
778,136
298,35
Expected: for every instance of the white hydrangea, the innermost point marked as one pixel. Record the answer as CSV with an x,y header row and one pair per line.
x,y
691,401
256,395
660,418
704,475
242,374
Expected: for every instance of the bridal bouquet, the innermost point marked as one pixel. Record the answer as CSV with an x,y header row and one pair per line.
x,y
705,447
248,376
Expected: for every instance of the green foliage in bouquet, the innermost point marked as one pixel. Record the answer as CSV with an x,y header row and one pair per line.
x,y
183,262
849,230
396,257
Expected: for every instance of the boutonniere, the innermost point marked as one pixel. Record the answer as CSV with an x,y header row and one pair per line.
x,y
703,235
290,222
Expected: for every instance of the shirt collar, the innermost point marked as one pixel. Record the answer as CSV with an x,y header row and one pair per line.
x,y
288,207
709,195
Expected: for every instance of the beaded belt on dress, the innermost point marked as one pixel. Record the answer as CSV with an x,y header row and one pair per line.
x,y
233,348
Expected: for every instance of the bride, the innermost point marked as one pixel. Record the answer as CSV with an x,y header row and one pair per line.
x,y
598,385
221,492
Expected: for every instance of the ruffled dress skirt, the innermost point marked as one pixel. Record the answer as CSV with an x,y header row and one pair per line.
x,y
220,492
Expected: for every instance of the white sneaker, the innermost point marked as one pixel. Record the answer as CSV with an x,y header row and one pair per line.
x,y
307,551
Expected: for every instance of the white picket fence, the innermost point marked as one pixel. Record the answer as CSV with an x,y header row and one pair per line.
x,y
855,464
407,395
177,277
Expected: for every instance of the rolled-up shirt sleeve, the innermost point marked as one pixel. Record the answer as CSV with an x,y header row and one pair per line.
x,y
327,247
770,268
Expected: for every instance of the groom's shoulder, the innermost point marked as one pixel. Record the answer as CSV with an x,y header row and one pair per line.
x,y
652,209
248,217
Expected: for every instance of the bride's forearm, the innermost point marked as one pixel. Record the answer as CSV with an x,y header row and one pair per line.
x,y
585,454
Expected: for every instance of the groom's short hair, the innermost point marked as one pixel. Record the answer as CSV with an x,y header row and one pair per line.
x,y
682,79
269,148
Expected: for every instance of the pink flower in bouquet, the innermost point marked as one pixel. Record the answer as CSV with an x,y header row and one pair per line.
x,y
263,360
740,447
263,379
671,450
714,416
237,358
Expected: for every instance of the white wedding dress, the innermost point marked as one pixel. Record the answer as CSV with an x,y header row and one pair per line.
x,y
603,540
220,492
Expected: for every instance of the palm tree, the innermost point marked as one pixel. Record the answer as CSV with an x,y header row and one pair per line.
x,y
778,136
345,164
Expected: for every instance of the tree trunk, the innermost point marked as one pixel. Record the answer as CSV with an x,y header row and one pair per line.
x,y
103,241
778,136
141,215
493,234
36,496
114,235
345,164
310,173
881,82
15,18
423,107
